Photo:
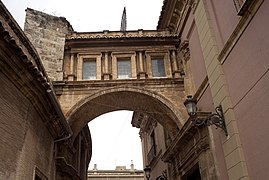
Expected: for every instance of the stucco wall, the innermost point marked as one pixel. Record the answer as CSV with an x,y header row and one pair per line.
x,y
25,142
246,70
223,18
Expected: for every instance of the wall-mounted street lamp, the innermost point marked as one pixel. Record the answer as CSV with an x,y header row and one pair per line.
x,y
147,171
215,118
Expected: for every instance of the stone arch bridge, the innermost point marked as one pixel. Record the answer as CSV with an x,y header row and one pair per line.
x,y
161,99
138,70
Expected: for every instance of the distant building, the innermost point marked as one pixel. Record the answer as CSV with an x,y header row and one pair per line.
x,y
120,173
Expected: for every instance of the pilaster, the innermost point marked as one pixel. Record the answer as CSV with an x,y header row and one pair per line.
x,y
70,76
233,152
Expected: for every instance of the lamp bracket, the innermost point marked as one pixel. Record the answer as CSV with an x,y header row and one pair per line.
x,y
216,119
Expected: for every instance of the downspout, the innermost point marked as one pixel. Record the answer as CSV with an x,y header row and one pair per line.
x,y
60,114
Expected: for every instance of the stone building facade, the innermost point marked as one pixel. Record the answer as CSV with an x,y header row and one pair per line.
x,y
34,132
120,173
225,58
215,51
224,51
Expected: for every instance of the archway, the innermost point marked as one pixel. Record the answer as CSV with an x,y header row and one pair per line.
x,y
115,142
125,98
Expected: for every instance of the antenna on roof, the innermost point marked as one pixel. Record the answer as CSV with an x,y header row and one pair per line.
x,y
123,21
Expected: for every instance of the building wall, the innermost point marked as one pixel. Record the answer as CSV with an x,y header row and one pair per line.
x,y
246,69
229,66
120,172
235,53
25,142
47,34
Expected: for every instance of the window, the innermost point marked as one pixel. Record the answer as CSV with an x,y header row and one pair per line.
x,y
158,68
89,69
193,173
124,69
38,175
153,151
241,6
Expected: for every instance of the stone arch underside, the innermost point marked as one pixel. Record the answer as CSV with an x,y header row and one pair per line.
x,y
125,98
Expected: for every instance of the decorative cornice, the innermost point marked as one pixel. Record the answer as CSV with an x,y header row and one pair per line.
x,y
186,135
121,83
120,34
174,14
185,50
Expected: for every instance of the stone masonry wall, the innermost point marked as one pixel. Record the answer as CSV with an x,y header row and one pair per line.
x,y
47,34
25,142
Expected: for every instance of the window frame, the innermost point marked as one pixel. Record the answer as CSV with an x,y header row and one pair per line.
x,y
241,6
89,60
38,175
158,58
126,59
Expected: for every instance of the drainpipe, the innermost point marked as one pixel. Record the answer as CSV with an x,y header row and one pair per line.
x,y
60,114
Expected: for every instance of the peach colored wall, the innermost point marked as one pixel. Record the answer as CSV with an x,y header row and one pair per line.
x,y
224,19
246,70
160,143
196,60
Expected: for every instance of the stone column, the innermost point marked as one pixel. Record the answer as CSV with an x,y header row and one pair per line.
x,y
141,67
70,76
79,68
167,64
176,73
114,67
133,66
98,67
106,74
149,66
106,62
142,73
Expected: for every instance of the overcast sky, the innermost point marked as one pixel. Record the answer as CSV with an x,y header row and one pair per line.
x,y
93,15
115,141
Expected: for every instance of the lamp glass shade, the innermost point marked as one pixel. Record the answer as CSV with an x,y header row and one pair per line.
x,y
147,171
191,105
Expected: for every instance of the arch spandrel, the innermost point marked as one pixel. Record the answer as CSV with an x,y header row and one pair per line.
x,y
125,98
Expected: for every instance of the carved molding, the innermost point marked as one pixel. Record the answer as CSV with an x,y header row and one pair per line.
x,y
185,50
186,148
119,34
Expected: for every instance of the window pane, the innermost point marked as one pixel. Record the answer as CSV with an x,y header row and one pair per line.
x,y
158,68
124,69
89,70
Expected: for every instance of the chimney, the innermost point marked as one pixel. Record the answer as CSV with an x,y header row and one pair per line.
x,y
95,167
132,165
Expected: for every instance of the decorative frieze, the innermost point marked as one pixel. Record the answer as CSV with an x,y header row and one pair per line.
x,y
119,34
185,50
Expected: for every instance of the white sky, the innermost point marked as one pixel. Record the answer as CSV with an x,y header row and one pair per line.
x,y
115,141
93,15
